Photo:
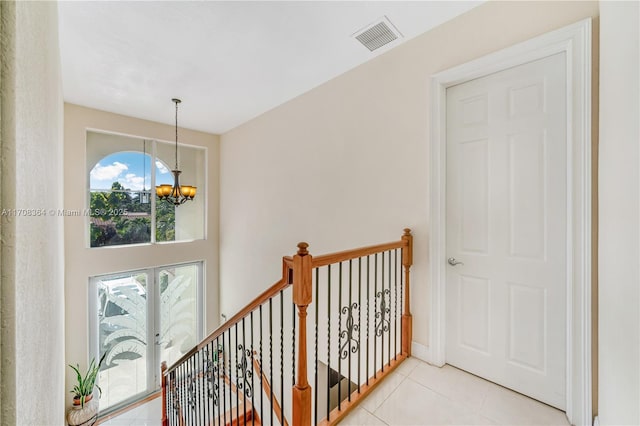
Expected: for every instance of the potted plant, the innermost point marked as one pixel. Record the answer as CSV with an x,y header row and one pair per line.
x,y
83,390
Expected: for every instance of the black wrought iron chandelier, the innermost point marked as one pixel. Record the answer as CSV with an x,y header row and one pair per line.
x,y
176,194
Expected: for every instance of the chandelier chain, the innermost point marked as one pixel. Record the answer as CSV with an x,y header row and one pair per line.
x,y
177,102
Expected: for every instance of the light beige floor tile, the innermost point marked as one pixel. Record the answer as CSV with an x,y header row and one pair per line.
x,y
511,408
453,383
414,404
118,422
407,366
382,392
361,417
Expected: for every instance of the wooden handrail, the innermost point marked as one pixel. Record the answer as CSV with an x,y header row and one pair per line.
x,y
266,386
328,259
262,298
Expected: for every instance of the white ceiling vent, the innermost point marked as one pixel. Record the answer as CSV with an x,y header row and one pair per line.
x,y
377,34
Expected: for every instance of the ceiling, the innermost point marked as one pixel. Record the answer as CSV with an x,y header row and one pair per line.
x,y
228,61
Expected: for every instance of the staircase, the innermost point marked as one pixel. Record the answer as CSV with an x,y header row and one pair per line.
x,y
346,315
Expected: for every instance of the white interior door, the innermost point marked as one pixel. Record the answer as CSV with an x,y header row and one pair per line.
x,y
506,224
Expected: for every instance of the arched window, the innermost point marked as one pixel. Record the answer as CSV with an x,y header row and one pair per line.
x,y
123,208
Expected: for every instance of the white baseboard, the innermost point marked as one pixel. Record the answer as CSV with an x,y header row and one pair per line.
x,y
596,421
420,351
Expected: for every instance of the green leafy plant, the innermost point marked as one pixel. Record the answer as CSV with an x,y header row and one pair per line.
x,y
84,386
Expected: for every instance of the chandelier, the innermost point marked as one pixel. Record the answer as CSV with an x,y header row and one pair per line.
x,y
176,194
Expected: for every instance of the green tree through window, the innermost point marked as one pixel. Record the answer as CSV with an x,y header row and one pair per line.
x,y
121,216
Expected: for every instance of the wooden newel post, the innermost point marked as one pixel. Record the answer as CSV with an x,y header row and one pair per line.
x,y
163,369
407,319
302,297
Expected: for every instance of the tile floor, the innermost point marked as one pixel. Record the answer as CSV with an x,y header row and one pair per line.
x,y
149,414
417,393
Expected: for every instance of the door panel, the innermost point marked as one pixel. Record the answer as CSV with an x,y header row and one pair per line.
x,y
506,223
178,311
122,313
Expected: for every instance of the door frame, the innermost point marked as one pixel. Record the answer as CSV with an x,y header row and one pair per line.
x,y
575,41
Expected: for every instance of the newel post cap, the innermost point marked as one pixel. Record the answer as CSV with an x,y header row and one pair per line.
x,y
302,249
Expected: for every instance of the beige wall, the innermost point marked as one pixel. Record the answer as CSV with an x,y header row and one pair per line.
x,y
619,266
346,164
82,262
32,298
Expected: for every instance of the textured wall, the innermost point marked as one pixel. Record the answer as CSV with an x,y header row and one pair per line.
x,y
32,270
619,204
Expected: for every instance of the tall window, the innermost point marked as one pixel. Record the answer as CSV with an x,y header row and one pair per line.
x,y
138,319
122,174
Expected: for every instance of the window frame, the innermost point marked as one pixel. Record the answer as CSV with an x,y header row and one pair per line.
x,y
202,189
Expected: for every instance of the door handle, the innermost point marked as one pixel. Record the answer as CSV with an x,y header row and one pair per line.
x,y
453,262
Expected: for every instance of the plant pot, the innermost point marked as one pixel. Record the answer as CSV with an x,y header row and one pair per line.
x,y
77,403
83,416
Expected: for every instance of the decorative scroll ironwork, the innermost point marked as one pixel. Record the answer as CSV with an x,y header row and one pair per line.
x,y
382,315
243,371
191,391
351,343
174,394
211,373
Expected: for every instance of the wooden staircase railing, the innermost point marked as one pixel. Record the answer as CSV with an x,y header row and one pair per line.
x,y
356,299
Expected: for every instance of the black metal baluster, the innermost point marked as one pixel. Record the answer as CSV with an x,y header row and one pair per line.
x,y
253,404
196,376
389,284
368,325
196,405
281,353
261,371
247,371
401,296
230,375
328,339
349,335
382,313
185,396
167,402
185,399
174,398
183,392
204,402
187,366
196,396
199,379
203,378
375,292
176,393
231,369
271,356
395,308
315,389
218,373
359,316
293,344
339,334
